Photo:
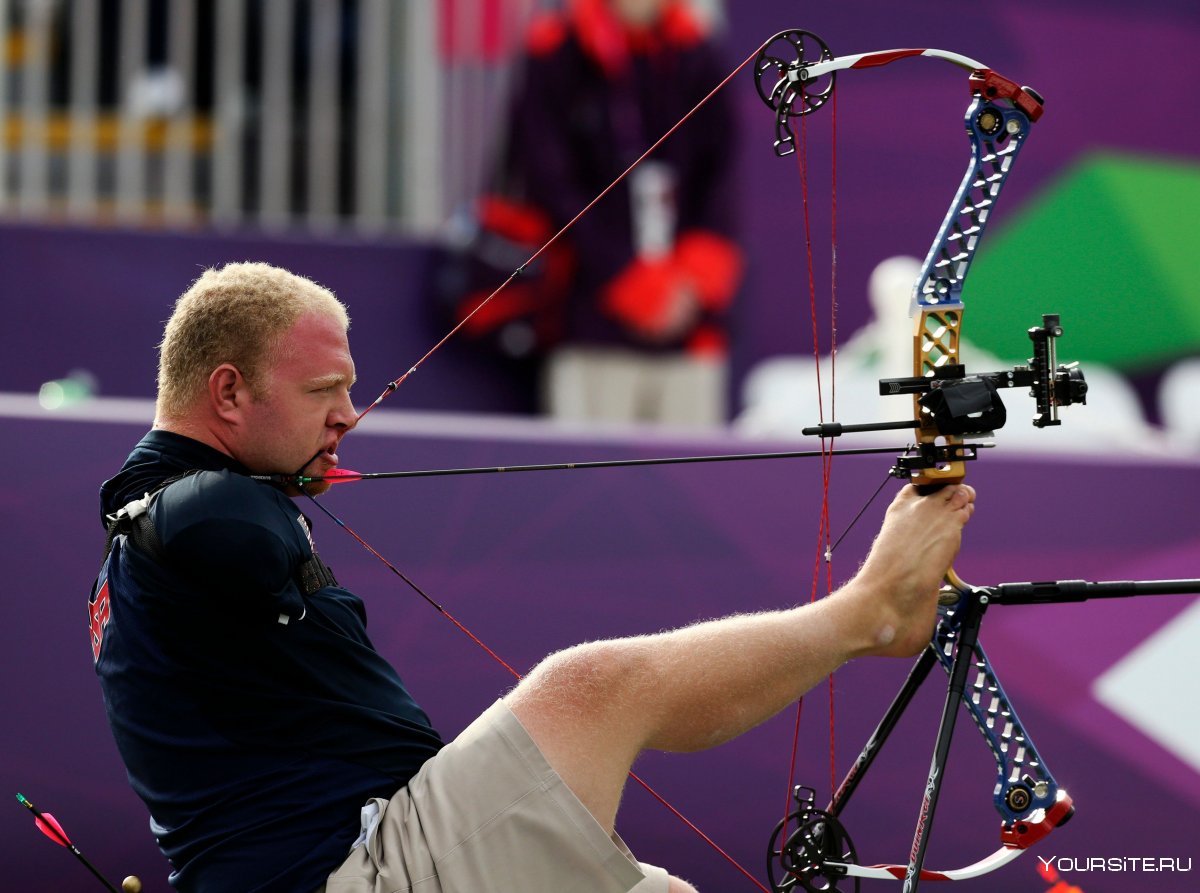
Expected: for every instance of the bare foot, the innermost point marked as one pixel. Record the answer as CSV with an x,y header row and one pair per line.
x,y
895,591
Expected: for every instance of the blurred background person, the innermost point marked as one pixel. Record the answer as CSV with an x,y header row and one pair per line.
x,y
630,310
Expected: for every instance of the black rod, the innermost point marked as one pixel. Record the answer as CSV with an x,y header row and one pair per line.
x,y
917,675
836,429
1061,591
968,636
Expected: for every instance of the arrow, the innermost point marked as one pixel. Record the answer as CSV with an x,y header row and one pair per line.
x,y
343,476
49,826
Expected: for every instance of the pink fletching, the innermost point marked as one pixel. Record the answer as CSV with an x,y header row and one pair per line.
x,y
341,476
49,826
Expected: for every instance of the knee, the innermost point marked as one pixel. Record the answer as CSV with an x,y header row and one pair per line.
x,y
591,676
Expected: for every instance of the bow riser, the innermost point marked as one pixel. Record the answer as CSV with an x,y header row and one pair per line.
x,y
997,134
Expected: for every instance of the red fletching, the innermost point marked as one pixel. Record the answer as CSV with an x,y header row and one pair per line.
x,y
341,476
49,826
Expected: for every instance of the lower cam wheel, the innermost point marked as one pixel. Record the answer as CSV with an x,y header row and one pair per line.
x,y
801,847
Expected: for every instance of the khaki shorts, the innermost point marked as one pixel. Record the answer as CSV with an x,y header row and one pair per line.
x,y
489,815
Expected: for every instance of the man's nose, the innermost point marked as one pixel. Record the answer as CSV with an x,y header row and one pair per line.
x,y
343,415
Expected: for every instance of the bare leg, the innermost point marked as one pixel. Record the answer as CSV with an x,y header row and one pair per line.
x,y
593,708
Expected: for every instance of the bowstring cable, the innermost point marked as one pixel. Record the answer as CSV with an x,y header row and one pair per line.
x,y
801,167
824,550
828,462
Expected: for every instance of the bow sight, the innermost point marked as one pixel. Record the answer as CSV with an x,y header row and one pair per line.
x,y
954,403
962,404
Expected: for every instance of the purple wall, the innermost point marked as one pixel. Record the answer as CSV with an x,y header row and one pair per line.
x,y
535,562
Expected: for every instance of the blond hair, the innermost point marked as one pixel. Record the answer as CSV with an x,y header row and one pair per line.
x,y
233,314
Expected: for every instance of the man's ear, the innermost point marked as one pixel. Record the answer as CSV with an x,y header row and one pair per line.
x,y
228,391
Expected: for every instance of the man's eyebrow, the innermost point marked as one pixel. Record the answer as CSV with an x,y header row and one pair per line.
x,y
333,378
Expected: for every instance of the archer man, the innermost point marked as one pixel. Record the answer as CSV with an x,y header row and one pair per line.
x,y
277,750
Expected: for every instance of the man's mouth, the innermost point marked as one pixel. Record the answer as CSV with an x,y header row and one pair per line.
x,y
321,462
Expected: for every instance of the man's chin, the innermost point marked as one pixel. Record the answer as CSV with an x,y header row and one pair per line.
x,y
294,488
318,466
308,488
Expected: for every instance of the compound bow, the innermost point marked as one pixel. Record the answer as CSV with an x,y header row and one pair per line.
x,y
795,74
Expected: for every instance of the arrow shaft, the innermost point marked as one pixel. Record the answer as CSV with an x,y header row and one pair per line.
x,y
568,466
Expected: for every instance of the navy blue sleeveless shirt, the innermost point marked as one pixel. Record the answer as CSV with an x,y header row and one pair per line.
x,y
254,720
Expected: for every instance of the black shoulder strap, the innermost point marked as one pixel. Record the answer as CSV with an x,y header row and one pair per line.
x,y
133,520
314,574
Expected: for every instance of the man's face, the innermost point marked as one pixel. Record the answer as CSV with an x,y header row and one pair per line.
x,y
303,406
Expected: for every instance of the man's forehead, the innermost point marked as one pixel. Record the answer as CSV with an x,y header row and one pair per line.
x,y
318,344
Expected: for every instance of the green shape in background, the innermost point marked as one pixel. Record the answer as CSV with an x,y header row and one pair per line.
x,y
1113,247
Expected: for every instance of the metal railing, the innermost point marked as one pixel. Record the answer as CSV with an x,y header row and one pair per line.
x,y
326,115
